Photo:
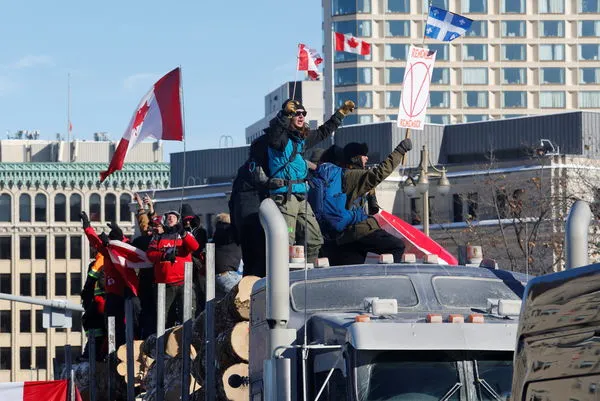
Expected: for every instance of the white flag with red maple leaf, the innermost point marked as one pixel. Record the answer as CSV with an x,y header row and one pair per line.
x,y
308,60
345,42
158,116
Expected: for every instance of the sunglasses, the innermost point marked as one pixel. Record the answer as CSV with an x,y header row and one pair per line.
x,y
301,113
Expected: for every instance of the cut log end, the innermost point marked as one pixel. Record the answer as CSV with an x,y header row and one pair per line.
x,y
235,382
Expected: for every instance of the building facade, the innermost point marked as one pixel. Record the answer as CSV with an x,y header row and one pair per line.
x,y
43,251
521,57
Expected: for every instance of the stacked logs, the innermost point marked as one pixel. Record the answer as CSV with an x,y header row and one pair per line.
x,y
232,336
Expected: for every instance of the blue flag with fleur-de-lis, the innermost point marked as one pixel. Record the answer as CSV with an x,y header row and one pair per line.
x,y
446,26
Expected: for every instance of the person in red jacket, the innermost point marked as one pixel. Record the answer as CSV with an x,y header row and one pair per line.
x,y
120,283
169,252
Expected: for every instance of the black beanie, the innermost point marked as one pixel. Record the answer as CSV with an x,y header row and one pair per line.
x,y
354,149
186,210
334,154
299,105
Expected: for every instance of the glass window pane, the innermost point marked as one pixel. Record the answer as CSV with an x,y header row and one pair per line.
x,y
589,99
5,207
442,119
60,284
475,99
74,207
589,28
470,118
589,6
514,99
94,207
435,3
40,248
394,28
394,75
75,247
39,321
60,247
60,207
551,6
553,29
75,283
110,207
5,283
24,207
552,75
362,99
439,99
475,76
588,52
5,321
25,358
398,6
552,99
513,29
513,6
40,284
5,248
5,358
342,7
515,76
440,76
40,207
478,29
25,247
395,52
514,52
25,321
349,76
125,199
589,75
40,358
25,284
474,6
474,52
392,99
442,52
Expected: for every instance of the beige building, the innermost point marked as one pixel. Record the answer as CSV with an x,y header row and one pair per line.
x,y
521,57
43,252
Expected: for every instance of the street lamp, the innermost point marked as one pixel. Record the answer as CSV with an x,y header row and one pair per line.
x,y
422,185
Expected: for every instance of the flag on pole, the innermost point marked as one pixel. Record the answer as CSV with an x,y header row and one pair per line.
x,y
308,60
70,126
36,390
348,43
158,116
446,26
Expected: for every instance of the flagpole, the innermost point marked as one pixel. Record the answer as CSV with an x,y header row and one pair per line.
x,y
296,74
332,79
68,117
184,137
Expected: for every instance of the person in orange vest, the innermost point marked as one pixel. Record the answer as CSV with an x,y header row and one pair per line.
x,y
93,301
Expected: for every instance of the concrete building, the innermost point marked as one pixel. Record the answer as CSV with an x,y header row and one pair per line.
x,y
43,252
520,58
310,93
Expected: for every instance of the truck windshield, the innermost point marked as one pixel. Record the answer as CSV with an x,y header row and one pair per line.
x,y
432,375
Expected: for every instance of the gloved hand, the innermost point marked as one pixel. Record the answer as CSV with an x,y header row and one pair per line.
x,y
290,107
84,219
170,254
404,146
104,238
115,231
372,204
347,107
181,230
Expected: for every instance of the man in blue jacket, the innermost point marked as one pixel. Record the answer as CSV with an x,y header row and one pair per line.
x,y
288,137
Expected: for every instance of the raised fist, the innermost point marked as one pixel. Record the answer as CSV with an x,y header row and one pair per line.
x,y
404,146
290,107
347,107
84,219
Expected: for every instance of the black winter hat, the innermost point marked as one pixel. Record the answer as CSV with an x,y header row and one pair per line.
x,y
333,154
299,105
115,231
354,149
186,210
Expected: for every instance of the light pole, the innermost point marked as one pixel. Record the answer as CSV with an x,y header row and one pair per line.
x,y
422,185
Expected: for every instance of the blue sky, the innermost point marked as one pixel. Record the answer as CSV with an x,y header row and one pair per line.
x,y
232,53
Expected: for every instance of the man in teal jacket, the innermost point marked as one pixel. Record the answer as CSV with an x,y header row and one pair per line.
x,y
288,137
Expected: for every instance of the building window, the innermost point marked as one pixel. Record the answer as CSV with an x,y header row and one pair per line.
x,y
25,321
394,75
39,321
514,99
514,52
125,200
513,29
475,76
25,358
40,285
470,118
362,99
5,248
589,75
40,358
515,76
76,322
5,283
95,207
395,28
441,52
60,247
5,321
110,207
60,284
513,115
440,76
75,282
589,28
25,247
75,247
395,52
441,119
358,28
435,3
25,284
552,29
5,360
74,207
24,207
552,52
474,6
475,99
473,52
398,6
552,99
5,207
551,6
40,248
343,77
513,6
589,99
60,208
40,207
588,52
342,7
391,117
478,29
392,99
552,75
59,353
439,99
589,6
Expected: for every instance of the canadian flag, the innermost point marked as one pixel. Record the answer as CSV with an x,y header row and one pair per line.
x,y
345,42
158,116
35,391
308,60
124,255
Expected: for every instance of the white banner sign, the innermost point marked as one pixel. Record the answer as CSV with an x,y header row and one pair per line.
x,y
415,89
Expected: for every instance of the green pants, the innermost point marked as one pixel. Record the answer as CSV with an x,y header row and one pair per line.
x,y
298,214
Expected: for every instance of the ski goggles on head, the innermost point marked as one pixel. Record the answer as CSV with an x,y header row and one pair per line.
x,y
300,113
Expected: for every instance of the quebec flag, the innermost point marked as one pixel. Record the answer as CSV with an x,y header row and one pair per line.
x,y
445,26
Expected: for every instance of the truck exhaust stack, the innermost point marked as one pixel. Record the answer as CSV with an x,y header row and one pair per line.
x,y
576,235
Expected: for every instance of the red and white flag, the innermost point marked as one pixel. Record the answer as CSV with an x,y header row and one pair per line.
x,y
158,116
345,42
35,391
308,60
124,255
